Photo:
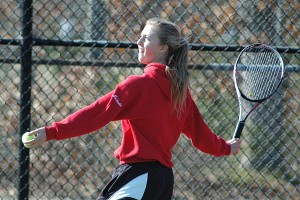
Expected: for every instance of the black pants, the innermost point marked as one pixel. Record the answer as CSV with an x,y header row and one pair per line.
x,y
149,180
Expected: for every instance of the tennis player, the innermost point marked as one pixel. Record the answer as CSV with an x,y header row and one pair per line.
x,y
154,108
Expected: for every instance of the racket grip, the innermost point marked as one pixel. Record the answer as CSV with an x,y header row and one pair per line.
x,y
239,129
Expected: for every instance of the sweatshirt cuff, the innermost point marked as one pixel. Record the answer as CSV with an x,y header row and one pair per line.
x,y
228,149
50,133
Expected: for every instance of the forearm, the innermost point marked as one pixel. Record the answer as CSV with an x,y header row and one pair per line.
x,y
202,137
214,145
84,121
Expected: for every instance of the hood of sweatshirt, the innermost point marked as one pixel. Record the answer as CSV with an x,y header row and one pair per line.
x,y
158,72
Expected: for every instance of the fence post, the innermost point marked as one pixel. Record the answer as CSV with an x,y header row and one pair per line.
x,y
25,97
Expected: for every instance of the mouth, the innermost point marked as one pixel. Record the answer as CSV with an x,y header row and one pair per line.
x,y
141,50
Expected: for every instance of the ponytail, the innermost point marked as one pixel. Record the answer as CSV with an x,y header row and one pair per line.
x,y
179,76
177,60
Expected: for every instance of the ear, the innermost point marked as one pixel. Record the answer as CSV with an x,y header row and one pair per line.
x,y
164,49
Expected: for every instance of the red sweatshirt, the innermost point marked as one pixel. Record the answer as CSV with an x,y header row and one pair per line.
x,y
150,127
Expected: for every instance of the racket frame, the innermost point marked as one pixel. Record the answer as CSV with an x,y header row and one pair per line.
x,y
242,98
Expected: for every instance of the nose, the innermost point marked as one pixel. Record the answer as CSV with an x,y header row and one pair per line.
x,y
139,42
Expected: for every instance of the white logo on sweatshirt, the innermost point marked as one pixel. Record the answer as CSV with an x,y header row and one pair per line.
x,y
117,100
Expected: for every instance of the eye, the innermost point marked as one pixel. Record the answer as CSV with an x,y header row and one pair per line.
x,y
143,36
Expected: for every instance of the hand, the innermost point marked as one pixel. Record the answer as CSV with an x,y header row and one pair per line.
x,y
39,138
235,145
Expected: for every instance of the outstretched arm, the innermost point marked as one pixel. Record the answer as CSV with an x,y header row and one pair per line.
x,y
203,138
83,121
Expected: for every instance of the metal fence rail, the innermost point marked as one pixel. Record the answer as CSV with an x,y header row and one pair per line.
x,y
59,56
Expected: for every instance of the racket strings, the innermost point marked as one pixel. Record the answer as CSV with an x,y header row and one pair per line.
x,y
261,77
260,73
265,86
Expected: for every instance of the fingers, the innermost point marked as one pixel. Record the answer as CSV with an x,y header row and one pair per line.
x,y
28,138
234,140
33,133
235,145
34,138
238,142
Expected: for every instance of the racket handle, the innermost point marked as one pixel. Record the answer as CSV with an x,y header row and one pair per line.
x,y
239,129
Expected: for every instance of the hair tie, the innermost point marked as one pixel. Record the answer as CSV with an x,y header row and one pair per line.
x,y
170,59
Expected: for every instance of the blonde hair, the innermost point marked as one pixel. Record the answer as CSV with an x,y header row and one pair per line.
x,y
177,59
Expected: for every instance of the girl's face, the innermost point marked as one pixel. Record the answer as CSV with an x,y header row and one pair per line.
x,y
150,49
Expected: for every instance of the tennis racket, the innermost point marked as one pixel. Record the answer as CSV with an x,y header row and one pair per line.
x,y
257,74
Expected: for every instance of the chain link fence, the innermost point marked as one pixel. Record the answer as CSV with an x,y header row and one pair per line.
x,y
59,56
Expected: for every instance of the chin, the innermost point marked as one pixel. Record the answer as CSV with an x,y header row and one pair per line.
x,y
143,61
